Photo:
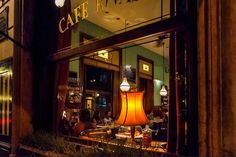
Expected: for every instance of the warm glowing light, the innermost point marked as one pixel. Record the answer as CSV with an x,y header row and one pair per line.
x,y
59,3
97,94
5,73
5,98
103,54
146,67
163,91
132,112
124,86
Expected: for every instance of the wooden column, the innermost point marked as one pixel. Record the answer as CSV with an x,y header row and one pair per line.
x,y
44,43
191,82
60,72
172,136
22,74
227,115
61,75
180,91
209,76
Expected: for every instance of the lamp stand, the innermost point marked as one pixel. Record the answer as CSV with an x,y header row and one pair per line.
x,y
132,132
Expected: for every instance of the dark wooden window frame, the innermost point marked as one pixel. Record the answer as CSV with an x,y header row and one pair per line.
x,y
172,25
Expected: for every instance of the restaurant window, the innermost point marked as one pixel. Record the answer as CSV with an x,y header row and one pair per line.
x,y
146,61
98,80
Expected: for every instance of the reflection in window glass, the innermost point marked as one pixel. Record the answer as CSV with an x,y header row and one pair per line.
x,y
5,100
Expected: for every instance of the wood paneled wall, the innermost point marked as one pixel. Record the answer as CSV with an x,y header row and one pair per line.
x,y
216,75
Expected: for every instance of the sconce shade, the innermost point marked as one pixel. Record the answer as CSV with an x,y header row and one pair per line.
x,y
163,91
59,3
132,112
124,86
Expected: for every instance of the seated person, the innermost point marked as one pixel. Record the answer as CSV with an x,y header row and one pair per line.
x,y
150,116
96,117
157,120
65,124
84,122
108,119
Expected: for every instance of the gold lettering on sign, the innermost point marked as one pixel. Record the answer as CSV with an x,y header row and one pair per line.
x,y
85,10
99,5
60,25
80,12
69,21
77,14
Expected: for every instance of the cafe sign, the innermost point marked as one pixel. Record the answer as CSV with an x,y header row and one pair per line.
x,y
81,12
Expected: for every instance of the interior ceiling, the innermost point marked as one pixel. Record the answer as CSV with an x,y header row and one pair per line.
x,y
123,15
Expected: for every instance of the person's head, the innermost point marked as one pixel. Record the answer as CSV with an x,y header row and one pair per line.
x,y
66,114
84,115
108,113
151,112
159,114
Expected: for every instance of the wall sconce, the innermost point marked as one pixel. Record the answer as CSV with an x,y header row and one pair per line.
x,y
59,3
132,112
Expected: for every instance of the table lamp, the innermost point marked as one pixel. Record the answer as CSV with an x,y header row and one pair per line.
x,y
132,112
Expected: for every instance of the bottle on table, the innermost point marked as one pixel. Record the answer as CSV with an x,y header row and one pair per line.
x,y
147,136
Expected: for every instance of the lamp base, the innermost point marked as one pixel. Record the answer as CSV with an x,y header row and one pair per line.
x,y
132,132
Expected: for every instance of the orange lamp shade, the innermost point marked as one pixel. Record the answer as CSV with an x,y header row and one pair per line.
x,y
132,112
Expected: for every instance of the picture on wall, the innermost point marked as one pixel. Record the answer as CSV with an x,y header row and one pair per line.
x,y
130,74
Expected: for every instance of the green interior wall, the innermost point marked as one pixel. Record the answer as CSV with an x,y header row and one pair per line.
x,y
133,52
90,29
74,66
129,54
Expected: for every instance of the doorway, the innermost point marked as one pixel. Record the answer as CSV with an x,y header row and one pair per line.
x,y
146,86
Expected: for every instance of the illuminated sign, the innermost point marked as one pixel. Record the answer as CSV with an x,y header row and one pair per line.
x,y
103,54
81,12
146,67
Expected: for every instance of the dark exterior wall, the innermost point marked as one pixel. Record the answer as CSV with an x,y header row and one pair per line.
x,y
44,43
34,27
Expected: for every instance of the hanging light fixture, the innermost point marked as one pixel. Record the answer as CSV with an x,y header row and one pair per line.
x,y
163,91
59,3
125,86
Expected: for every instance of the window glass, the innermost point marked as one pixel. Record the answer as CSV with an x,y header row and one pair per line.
x,y
5,100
